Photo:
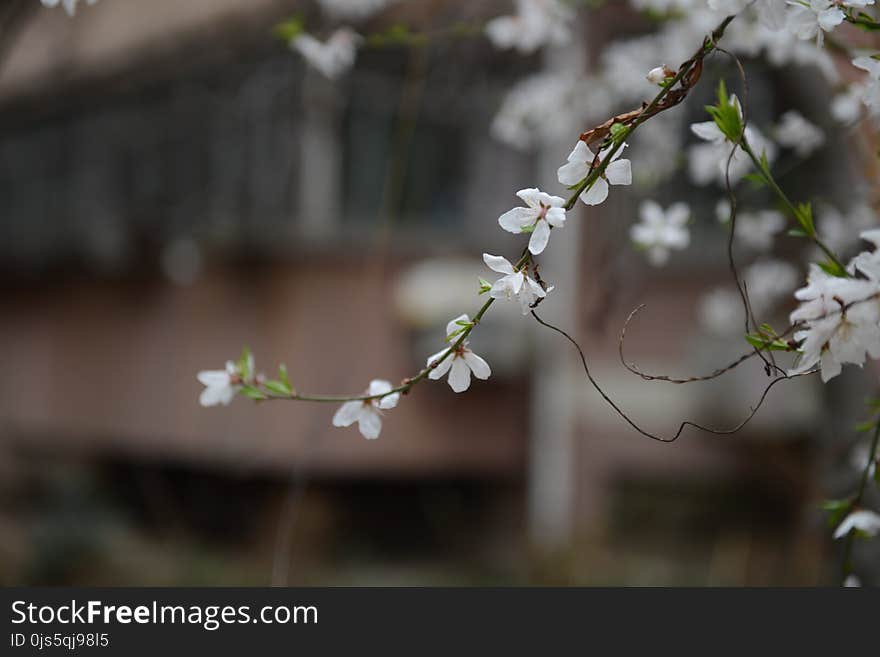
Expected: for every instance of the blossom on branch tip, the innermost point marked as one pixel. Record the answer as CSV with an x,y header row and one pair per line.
x,y
368,412
659,74
514,284
841,319
461,362
543,212
661,231
221,386
580,164
331,58
861,520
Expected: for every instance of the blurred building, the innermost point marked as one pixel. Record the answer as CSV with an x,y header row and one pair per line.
x,y
174,184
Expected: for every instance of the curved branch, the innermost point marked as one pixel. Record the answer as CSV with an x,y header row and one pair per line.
x,y
669,379
685,423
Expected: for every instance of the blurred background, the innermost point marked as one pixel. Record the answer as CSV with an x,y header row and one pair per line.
x,y
175,183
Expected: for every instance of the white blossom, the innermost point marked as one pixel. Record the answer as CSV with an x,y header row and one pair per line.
x,y
221,386
657,75
69,5
579,165
514,284
460,363
368,412
862,520
842,322
537,23
812,18
331,58
871,91
543,212
661,231
795,132
867,263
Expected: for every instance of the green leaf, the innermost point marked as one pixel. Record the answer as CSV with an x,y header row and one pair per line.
x,y
865,427
797,232
485,286
832,268
278,388
245,364
726,114
837,510
253,393
282,375
760,341
454,335
756,179
803,213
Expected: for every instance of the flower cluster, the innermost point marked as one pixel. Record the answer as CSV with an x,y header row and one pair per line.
x,y
840,316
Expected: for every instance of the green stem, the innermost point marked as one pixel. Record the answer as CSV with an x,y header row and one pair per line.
x,y
615,142
783,197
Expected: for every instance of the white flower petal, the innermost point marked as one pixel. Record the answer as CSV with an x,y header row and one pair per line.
x,y
540,237
454,325
441,369
478,366
531,196
597,193
379,386
369,423
348,413
497,263
571,173
619,173
213,378
389,401
513,221
459,375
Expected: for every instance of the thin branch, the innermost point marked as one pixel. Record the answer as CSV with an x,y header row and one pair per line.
x,y
669,96
668,379
684,424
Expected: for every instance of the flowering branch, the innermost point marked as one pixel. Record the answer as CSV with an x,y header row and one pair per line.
x,y
613,134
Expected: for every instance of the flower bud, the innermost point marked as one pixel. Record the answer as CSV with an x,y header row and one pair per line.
x,y
659,74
